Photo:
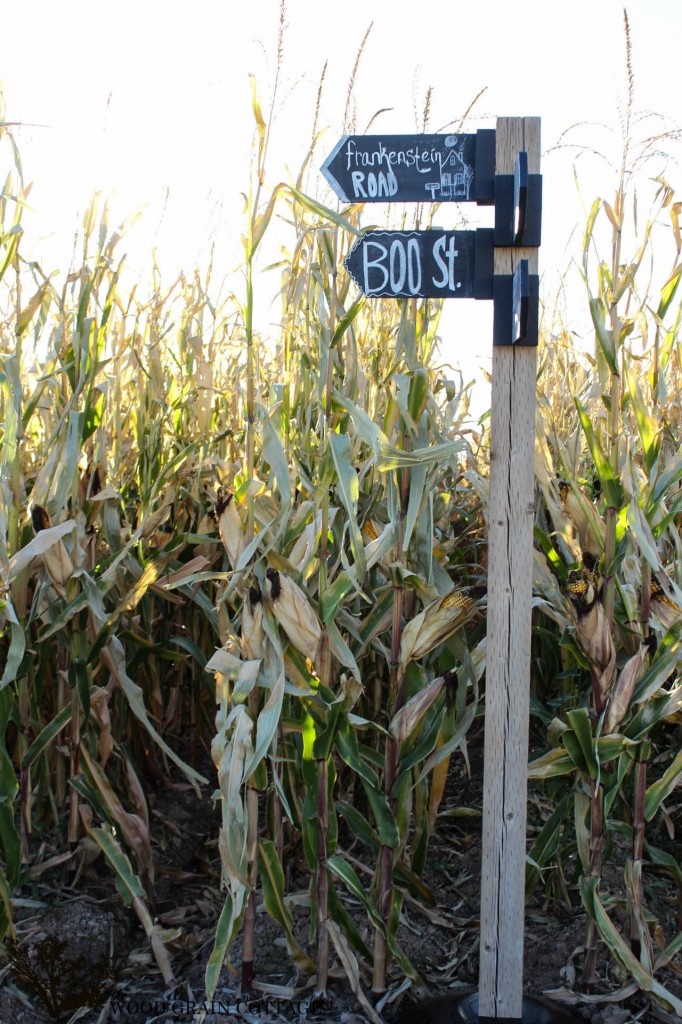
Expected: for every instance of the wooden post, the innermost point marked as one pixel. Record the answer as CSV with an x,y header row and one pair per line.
x,y
510,563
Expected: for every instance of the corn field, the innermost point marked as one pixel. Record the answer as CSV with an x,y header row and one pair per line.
x,y
261,566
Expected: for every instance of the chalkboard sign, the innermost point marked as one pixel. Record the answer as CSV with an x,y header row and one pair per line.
x,y
413,168
425,264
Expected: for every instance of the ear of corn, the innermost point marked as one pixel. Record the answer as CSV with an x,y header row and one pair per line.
x,y
294,613
437,622
621,694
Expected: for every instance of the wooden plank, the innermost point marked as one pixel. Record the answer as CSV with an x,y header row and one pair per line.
x,y
510,561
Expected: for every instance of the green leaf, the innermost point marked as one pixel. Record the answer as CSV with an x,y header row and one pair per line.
x,y
358,825
340,915
669,475
645,423
188,645
621,951
367,430
347,746
224,936
324,212
347,319
428,737
17,644
341,650
275,456
612,488
333,596
383,816
58,623
114,658
379,618
5,906
41,543
624,764
581,816
345,872
348,489
129,884
661,789
272,882
579,720
46,735
656,708
604,335
665,860
325,741
407,878
642,535
668,291
396,458
553,763
9,835
81,678
414,501
546,844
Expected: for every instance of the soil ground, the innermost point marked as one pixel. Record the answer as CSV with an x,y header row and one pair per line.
x,y
105,953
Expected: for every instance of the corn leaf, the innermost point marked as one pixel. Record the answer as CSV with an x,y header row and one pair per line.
x,y
610,484
17,643
546,845
621,950
551,764
348,489
579,742
350,965
272,881
41,543
47,735
383,815
661,789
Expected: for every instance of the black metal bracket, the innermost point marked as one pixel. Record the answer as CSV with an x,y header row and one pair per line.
x,y
515,307
518,206
484,182
484,263
464,1010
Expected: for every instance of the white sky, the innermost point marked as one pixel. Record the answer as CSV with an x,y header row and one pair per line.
x,y
148,101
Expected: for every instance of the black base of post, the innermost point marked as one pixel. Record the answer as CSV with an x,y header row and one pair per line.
x,y
534,1011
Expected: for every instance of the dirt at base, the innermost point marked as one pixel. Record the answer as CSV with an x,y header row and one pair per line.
x,y
93,927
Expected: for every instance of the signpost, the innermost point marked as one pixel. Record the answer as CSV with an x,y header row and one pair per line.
x,y
413,168
500,167
426,264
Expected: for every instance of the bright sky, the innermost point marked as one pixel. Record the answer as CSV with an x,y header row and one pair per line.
x,y
148,101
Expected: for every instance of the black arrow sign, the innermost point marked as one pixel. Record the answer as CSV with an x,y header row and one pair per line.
x,y
425,264
413,168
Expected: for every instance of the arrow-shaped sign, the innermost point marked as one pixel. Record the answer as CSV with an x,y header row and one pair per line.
x,y
413,168
425,264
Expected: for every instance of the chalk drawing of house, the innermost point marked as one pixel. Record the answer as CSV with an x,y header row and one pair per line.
x,y
455,176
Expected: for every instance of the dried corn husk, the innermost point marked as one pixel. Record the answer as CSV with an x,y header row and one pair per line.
x,y
437,622
56,558
294,613
592,629
584,516
253,634
378,543
665,610
410,715
619,701
229,526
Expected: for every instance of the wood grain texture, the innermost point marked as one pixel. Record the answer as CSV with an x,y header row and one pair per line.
x,y
510,562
